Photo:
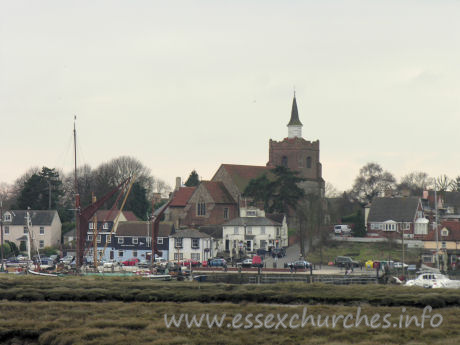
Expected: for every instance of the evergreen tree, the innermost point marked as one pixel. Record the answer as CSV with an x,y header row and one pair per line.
x,y
137,201
193,179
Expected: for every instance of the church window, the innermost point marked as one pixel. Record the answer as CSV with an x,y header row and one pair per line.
x,y
284,161
308,162
201,209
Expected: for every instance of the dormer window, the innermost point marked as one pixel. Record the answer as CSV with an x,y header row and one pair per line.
x,y
7,217
105,226
444,232
252,213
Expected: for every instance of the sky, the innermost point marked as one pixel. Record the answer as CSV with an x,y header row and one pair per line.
x,y
184,85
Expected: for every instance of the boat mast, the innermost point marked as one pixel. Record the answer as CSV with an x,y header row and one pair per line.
x,y
77,199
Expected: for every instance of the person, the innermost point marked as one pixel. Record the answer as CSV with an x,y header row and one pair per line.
x,y
225,267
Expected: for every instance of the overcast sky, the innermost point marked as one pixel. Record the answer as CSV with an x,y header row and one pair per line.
x,y
185,85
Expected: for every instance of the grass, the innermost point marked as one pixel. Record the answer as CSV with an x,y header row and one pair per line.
x,y
59,323
363,252
94,289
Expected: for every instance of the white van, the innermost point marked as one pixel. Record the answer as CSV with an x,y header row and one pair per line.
x,y
342,229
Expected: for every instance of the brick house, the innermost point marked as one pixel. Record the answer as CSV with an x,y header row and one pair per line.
x,y
175,211
389,217
448,245
210,204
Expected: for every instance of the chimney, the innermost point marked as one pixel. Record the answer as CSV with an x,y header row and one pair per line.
x,y
178,183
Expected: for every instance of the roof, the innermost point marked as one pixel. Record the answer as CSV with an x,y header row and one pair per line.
x,y
181,197
276,217
454,232
396,209
251,221
165,229
138,228
452,199
294,121
38,217
71,233
189,233
215,231
242,174
218,192
110,215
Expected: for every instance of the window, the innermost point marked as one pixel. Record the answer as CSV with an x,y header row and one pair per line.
x,y
389,227
178,242
284,161
249,230
201,209
42,230
108,239
120,253
105,226
277,232
91,225
195,243
25,229
225,212
235,230
121,240
262,230
42,243
7,217
98,240
308,162
159,240
195,256
7,230
444,232
134,253
90,237
178,256
251,213
420,229
419,214
406,226
135,240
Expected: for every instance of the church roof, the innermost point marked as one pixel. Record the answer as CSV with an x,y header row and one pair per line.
x,y
294,115
242,174
218,192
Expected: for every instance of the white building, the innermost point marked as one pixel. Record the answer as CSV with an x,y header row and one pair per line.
x,y
190,244
45,231
253,231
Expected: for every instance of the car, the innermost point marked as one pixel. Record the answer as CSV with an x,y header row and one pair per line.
x,y
344,261
399,265
342,229
217,262
257,261
246,263
204,263
278,252
191,262
67,259
301,264
130,262
143,263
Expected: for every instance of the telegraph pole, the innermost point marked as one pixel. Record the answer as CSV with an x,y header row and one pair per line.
x,y
77,201
436,226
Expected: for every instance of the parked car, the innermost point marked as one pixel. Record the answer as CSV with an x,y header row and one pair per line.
x,y
399,265
257,261
246,263
130,262
278,252
67,259
217,262
301,264
344,261
191,262
342,229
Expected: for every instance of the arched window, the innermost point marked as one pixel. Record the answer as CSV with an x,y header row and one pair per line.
x,y
284,161
308,162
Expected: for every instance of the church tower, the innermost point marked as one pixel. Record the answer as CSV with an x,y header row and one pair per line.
x,y
298,154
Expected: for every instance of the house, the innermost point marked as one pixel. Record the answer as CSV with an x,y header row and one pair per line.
x,y
45,229
132,239
447,245
389,217
252,231
190,244
210,204
175,211
69,237
215,232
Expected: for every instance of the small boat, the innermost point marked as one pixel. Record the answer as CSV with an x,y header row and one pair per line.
x,y
42,274
158,276
433,281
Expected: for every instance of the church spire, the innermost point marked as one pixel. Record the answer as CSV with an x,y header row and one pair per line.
x,y
294,125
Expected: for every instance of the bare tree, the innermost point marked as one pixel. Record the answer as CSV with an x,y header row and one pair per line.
x,y
416,182
372,181
331,191
443,183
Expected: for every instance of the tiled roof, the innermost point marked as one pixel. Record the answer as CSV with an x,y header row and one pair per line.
x,y
165,229
189,233
130,228
397,209
38,217
454,232
110,215
276,217
215,231
182,196
218,192
452,199
251,221
242,174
